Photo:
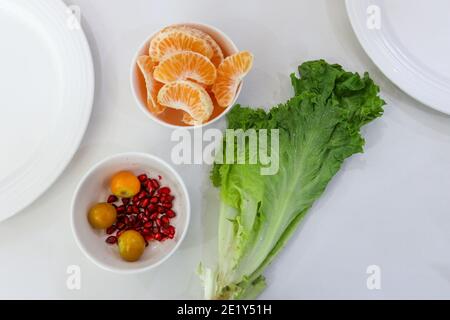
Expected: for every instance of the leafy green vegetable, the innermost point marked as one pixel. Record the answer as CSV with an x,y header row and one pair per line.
x,y
318,129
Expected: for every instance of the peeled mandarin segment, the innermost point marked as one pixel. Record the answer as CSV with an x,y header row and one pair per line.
x,y
186,66
229,75
189,97
187,119
146,66
170,41
217,56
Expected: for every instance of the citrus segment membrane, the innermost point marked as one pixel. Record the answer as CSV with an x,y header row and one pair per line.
x,y
146,66
186,66
189,97
170,41
229,75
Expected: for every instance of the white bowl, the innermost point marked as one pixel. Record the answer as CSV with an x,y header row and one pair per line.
x,y
94,188
228,48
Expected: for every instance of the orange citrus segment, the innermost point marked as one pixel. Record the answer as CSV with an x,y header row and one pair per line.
x,y
186,65
229,75
189,97
170,41
217,56
146,66
187,119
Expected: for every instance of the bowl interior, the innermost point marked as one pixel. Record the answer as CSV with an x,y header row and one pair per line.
x,y
95,188
138,83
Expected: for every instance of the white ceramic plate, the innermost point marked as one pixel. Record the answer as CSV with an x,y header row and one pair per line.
x,y
47,88
411,47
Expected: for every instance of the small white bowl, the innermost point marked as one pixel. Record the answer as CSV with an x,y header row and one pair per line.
x,y
94,188
228,48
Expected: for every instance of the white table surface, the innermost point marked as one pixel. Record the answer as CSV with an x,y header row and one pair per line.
x,y
388,207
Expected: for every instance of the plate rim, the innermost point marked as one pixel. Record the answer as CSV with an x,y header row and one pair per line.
x,y
58,7
426,92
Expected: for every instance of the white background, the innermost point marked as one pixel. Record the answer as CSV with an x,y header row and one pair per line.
x,y
389,206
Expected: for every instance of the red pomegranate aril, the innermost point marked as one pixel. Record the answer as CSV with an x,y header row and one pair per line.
x,y
164,190
136,209
170,214
158,236
151,207
111,229
120,209
155,183
167,205
129,209
149,237
146,231
125,201
149,187
161,209
111,240
155,230
145,203
148,225
120,225
141,195
164,231
154,216
112,198
171,230
154,200
165,221
143,177
171,236
158,222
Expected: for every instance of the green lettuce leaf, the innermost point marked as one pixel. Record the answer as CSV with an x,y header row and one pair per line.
x,y
318,129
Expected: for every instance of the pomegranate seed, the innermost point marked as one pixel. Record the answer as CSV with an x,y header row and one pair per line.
x,y
135,209
112,198
171,236
144,219
125,201
155,230
165,221
111,229
158,222
129,209
111,240
120,209
148,185
145,203
154,216
148,225
170,214
143,177
141,195
165,231
171,230
158,236
161,209
167,205
120,225
155,183
151,207
135,199
154,200
146,231
164,190
149,237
